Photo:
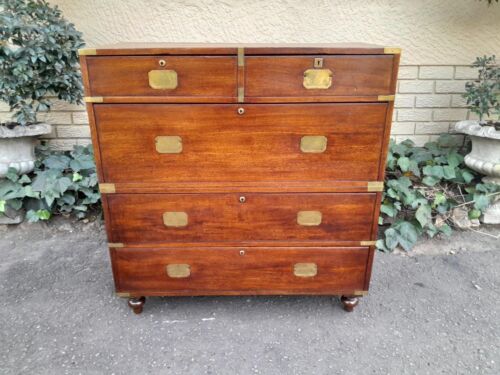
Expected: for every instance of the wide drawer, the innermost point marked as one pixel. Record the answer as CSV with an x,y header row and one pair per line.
x,y
235,270
268,142
303,76
167,218
176,76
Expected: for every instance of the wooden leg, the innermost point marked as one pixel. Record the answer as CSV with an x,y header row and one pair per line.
x,y
349,302
136,304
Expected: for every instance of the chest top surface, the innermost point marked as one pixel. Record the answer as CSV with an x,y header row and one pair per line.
x,y
138,49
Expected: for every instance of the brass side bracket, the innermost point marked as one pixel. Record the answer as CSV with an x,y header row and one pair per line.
x,y
93,99
87,51
386,98
107,188
375,186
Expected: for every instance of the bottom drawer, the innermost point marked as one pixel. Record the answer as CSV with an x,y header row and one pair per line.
x,y
232,271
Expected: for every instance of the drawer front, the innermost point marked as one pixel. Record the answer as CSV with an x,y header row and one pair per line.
x,y
167,218
226,270
195,76
296,76
208,142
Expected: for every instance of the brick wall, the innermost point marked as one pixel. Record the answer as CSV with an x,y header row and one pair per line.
x,y
428,102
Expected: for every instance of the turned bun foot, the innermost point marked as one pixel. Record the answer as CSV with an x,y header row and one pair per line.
x,y
349,303
136,304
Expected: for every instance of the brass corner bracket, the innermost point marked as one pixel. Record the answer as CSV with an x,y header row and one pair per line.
x,y
107,188
93,99
115,244
123,294
241,56
367,243
360,292
392,51
87,51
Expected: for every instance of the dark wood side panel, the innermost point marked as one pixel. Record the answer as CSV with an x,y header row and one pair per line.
x,y
201,76
229,271
137,218
283,76
220,145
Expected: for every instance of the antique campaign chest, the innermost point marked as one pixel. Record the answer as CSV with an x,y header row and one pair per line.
x,y
240,169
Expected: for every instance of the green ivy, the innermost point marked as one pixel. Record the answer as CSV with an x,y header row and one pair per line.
x,y
423,186
38,58
62,183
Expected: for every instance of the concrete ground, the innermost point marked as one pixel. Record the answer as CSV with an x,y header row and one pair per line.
x,y
435,312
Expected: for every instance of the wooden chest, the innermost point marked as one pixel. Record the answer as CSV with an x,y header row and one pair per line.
x,y
240,169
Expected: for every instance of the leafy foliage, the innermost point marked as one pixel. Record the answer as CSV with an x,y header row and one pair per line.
x,y
38,58
483,94
61,183
423,186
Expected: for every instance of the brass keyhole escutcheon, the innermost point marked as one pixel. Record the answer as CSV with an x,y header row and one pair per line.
x,y
162,63
241,110
243,199
242,252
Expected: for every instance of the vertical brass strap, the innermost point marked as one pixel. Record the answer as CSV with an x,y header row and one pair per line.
x,y
241,75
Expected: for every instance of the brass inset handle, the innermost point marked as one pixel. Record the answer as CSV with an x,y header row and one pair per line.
x,y
175,219
319,79
168,144
305,269
309,218
178,271
163,79
314,144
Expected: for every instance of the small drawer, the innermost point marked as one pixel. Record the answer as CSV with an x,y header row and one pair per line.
x,y
167,218
170,76
303,76
227,270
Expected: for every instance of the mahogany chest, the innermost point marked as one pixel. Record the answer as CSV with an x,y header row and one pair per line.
x,y
240,169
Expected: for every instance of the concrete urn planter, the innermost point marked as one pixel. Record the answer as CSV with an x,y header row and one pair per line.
x,y
17,147
17,150
484,158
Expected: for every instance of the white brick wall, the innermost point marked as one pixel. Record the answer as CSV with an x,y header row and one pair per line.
x,y
428,102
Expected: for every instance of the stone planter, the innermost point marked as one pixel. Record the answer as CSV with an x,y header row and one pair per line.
x,y
484,158
17,150
17,147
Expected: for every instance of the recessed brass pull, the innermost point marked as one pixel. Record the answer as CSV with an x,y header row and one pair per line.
x,y
314,144
320,79
178,271
309,218
163,79
168,144
305,269
175,219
